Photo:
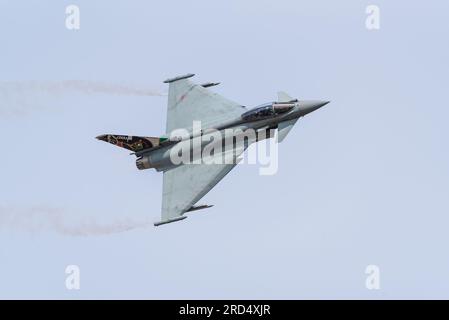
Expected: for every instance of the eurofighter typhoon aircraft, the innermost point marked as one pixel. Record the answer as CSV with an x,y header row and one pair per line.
x,y
186,182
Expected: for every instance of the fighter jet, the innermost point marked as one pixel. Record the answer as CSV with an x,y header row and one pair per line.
x,y
186,182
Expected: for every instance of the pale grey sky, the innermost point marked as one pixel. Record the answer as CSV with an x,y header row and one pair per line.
x,y
362,181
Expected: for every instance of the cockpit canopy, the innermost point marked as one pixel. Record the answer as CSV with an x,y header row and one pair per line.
x,y
267,110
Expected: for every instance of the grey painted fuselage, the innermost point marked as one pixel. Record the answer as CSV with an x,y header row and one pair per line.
x,y
160,158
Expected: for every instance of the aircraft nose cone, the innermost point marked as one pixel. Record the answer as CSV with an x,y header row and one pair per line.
x,y
308,106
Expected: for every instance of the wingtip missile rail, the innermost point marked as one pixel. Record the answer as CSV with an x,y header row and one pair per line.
x,y
189,75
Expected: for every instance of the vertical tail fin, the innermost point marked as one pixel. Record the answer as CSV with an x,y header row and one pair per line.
x,y
132,143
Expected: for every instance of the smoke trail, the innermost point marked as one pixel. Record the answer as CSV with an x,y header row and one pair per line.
x,y
83,86
21,98
42,218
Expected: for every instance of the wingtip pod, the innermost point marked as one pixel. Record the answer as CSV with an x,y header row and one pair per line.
x,y
156,224
189,75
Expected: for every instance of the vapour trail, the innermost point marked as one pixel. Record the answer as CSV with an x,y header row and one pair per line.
x,y
40,219
83,86
19,98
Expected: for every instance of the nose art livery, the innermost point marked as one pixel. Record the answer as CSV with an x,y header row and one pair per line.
x,y
186,182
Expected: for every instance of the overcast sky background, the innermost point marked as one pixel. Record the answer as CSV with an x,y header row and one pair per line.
x,y
362,181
